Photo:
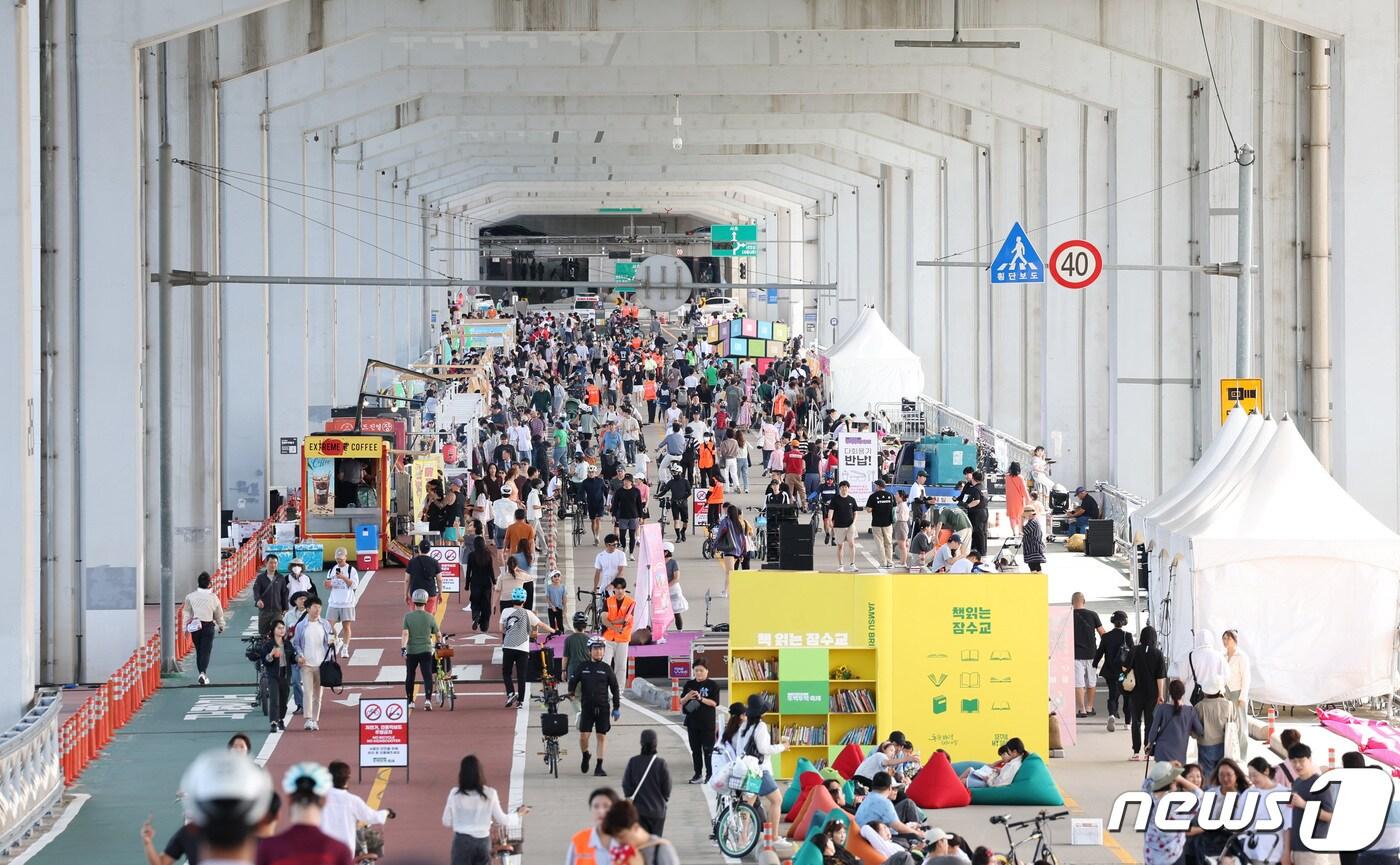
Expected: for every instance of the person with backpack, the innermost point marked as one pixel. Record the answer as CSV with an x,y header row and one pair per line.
x,y
755,739
1112,657
1145,682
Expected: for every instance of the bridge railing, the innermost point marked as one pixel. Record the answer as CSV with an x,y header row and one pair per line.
x,y
31,783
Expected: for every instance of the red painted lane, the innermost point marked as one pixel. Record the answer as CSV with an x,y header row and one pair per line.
x,y
437,739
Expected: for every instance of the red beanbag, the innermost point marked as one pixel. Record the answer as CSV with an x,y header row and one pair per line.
x,y
849,760
938,786
819,801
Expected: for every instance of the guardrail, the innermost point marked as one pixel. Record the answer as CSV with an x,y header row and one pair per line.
x,y
31,784
1119,506
921,416
87,731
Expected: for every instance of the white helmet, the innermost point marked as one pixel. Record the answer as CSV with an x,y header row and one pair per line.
x,y
227,790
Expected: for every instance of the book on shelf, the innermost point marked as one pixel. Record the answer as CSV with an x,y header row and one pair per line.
x,y
864,735
802,736
753,669
857,700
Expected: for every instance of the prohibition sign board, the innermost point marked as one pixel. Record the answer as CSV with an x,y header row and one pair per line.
x,y
1076,263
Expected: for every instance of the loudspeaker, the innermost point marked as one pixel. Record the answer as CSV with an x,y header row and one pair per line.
x,y
795,547
1098,541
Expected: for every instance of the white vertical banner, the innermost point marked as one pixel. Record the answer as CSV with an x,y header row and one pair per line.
x,y
858,462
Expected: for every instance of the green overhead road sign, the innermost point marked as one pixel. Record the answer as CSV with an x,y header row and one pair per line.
x,y
624,272
733,241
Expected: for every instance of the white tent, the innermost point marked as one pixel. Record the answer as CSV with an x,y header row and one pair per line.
x,y
1308,577
871,366
1168,595
1155,510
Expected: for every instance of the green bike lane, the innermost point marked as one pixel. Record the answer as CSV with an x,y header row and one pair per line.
x,y
137,774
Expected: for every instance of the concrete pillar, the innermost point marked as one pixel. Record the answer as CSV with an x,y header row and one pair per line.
x,y
322,336
349,345
112,285
19,348
244,309
286,323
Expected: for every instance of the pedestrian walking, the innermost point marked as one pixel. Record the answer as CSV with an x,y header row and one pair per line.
x,y
416,647
342,580
270,595
647,782
472,809
313,643
203,606
699,699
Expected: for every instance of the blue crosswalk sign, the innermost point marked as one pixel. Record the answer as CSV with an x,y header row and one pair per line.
x,y
1017,261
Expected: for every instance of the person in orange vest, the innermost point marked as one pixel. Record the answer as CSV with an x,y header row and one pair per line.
x,y
589,846
617,628
714,502
649,394
705,458
592,395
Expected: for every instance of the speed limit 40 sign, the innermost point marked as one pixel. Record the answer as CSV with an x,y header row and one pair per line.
x,y
1076,263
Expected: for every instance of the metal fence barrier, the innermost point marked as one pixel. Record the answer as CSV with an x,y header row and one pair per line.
x,y
31,779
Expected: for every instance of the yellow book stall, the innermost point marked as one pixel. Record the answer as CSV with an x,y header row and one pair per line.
x,y
956,662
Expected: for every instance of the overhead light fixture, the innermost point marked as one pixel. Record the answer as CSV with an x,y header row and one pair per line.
x,y
956,42
677,142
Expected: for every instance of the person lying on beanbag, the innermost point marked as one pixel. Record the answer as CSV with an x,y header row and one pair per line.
x,y
1002,772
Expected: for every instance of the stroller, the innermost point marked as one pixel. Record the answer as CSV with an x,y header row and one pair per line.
x,y
1008,557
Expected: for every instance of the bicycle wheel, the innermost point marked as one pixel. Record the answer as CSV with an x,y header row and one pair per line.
x,y
737,830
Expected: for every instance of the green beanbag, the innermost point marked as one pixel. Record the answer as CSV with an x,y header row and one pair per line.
x,y
807,854
1032,785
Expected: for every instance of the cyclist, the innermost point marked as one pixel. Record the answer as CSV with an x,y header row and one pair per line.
x,y
517,623
678,491
598,681
576,645
225,796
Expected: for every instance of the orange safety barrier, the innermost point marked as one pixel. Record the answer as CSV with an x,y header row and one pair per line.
x,y
84,734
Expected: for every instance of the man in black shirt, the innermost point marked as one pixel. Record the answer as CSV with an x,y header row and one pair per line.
x,y
880,504
1087,509
974,500
843,519
598,681
1087,629
423,574
699,697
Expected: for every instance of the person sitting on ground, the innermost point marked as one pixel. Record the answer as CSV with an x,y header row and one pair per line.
x,y
1002,772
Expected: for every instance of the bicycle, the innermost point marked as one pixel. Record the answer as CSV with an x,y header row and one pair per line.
x,y
554,725
595,601
252,651
444,683
738,823
760,530
1042,851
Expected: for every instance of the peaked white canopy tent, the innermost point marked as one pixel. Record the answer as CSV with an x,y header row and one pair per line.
x,y
871,365
1315,602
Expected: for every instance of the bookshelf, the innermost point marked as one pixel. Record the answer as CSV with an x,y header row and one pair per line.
x,y
804,683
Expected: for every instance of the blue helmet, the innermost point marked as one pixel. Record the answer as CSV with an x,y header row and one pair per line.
x,y
518,595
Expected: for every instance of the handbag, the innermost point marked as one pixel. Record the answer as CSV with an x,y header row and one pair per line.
x,y
1197,692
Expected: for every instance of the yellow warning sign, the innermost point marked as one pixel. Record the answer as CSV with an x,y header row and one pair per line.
x,y
1248,392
